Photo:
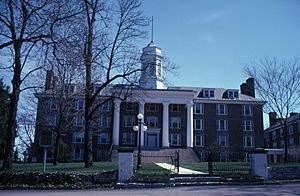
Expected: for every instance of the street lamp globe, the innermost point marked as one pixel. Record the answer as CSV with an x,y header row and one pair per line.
x,y
144,128
140,116
135,128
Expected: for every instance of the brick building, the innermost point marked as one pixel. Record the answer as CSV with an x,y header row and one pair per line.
x,y
229,120
274,135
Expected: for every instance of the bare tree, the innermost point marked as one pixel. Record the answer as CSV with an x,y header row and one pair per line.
x,y
110,51
278,83
26,27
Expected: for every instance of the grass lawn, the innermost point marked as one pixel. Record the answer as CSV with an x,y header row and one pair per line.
x,y
283,164
66,167
152,169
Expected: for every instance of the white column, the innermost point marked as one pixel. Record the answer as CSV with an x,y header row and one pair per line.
x,y
165,130
190,118
141,111
116,125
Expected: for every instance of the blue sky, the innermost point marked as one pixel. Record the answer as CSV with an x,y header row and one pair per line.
x,y
211,40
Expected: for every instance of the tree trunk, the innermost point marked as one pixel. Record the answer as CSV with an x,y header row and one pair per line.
x,y
13,106
286,159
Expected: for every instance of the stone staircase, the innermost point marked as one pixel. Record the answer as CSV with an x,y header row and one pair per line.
x,y
163,155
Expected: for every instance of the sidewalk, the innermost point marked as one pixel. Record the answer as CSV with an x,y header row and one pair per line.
x,y
181,169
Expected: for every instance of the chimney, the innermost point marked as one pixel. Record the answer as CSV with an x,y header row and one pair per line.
x,y
49,78
248,87
272,118
293,113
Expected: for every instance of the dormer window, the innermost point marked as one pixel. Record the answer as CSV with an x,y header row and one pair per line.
x,y
233,94
208,93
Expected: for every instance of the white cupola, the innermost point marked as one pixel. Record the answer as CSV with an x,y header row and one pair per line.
x,y
151,74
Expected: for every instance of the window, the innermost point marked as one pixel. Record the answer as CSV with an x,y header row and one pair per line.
x,y
233,94
274,135
151,107
78,137
103,138
198,108
79,120
223,141
281,133
199,140
69,88
175,139
247,110
291,130
274,145
175,107
198,124
222,125
128,121
152,121
291,142
267,137
51,120
105,121
128,138
221,109
106,107
129,106
175,122
248,125
208,93
80,104
248,141
159,68
282,144
52,104
77,154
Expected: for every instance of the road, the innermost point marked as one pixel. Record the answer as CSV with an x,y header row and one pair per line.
x,y
285,189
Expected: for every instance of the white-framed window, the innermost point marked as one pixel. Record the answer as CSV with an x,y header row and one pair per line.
x,y
274,145
80,104
208,93
79,120
222,125
222,109
248,141
51,120
151,107
281,133
106,107
198,108
152,121
103,138
274,135
291,141
105,121
175,122
282,144
223,140
198,124
52,105
199,140
175,139
77,154
78,137
247,110
233,94
247,125
128,121
175,107
291,129
128,138
129,106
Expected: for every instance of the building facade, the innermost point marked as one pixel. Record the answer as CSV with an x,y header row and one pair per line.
x,y
275,138
229,120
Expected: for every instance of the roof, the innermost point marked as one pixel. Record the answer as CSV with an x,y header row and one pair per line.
x,y
291,119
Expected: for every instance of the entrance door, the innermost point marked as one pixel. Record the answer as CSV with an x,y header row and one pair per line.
x,y
152,140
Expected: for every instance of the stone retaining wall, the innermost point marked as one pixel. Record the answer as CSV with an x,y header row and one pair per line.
x,y
284,173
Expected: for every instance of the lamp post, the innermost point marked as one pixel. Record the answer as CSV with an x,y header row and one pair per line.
x,y
140,127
